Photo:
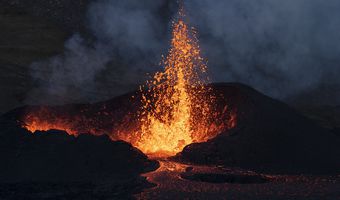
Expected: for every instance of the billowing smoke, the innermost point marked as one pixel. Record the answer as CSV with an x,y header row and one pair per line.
x,y
71,76
132,27
126,41
283,48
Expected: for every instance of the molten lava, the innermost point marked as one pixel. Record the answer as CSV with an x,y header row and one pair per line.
x,y
177,107
173,109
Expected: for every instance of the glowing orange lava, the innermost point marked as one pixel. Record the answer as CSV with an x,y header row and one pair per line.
x,y
177,104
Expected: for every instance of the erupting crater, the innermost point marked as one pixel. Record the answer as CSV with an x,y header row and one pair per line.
x,y
176,107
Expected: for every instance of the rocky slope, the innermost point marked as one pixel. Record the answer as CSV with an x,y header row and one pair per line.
x,y
270,137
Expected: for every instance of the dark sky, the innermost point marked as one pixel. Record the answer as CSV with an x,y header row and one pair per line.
x,y
287,49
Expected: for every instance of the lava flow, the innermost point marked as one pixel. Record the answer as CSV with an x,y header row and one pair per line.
x,y
175,108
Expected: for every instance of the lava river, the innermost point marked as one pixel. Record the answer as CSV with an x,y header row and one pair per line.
x,y
175,180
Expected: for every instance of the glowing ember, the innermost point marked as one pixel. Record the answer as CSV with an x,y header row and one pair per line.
x,y
175,108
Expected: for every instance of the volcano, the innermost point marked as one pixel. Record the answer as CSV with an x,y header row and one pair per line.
x,y
174,108
269,137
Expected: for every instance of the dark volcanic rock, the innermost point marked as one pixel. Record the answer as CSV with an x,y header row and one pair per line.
x,y
54,156
270,137
55,165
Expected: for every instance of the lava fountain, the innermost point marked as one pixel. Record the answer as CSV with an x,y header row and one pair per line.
x,y
176,107
177,104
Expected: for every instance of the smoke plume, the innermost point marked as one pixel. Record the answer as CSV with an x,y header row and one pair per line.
x,y
125,43
282,48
